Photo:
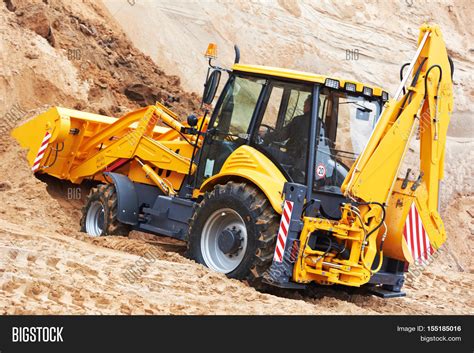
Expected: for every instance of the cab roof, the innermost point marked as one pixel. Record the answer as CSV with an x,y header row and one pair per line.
x,y
302,76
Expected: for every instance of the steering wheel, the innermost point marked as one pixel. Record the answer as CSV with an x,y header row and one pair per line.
x,y
261,136
269,128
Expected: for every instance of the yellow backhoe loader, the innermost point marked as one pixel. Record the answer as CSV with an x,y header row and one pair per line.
x,y
292,178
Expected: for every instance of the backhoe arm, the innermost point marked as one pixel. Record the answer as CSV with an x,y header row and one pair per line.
x,y
373,177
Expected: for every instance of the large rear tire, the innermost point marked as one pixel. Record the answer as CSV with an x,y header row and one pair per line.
x,y
233,231
99,215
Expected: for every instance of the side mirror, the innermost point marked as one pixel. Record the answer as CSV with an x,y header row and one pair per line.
x,y
192,120
237,54
210,87
363,114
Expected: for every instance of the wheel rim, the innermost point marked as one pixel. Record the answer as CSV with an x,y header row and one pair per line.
x,y
95,219
223,220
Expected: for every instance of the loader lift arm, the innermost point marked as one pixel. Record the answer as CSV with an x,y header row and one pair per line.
x,y
92,143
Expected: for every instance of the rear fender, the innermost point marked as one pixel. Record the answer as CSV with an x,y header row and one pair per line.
x,y
127,198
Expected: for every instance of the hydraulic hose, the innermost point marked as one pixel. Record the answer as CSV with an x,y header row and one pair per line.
x,y
451,65
435,120
428,73
401,75
382,222
383,215
379,265
415,78
56,150
418,71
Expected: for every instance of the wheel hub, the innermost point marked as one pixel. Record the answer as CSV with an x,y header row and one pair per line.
x,y
224,240
229,240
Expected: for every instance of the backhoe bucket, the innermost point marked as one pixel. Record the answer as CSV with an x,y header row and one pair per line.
x,y
414,233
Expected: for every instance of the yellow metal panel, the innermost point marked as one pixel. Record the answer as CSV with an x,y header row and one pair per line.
x,y
102,119
161,156
248,163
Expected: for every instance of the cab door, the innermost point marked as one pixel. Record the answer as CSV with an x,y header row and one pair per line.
x,y
230,124
283,125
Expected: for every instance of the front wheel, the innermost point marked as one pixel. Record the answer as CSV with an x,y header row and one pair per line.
x,y
233,231
99,215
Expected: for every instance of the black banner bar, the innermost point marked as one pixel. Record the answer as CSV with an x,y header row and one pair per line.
x,y
246,333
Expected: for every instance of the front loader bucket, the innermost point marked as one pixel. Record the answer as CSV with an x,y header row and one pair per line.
x,y
38,133
60,139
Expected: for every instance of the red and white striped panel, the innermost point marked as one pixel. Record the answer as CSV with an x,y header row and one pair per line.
x,y
283,231
41,152
416,236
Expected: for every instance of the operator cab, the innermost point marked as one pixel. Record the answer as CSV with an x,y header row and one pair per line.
x,y
272,110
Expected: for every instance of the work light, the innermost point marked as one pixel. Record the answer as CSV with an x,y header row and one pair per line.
x,y
350,87
332,83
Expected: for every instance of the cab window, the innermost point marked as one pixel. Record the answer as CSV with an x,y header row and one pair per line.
x,y
283,130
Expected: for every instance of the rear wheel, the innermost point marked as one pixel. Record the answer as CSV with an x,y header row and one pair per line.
x,y
233,231
99,215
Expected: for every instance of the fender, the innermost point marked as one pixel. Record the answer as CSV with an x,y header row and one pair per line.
x,y
127,198
249,164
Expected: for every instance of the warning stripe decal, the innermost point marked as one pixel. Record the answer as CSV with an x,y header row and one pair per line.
x,y
283,231
41,152
416,236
